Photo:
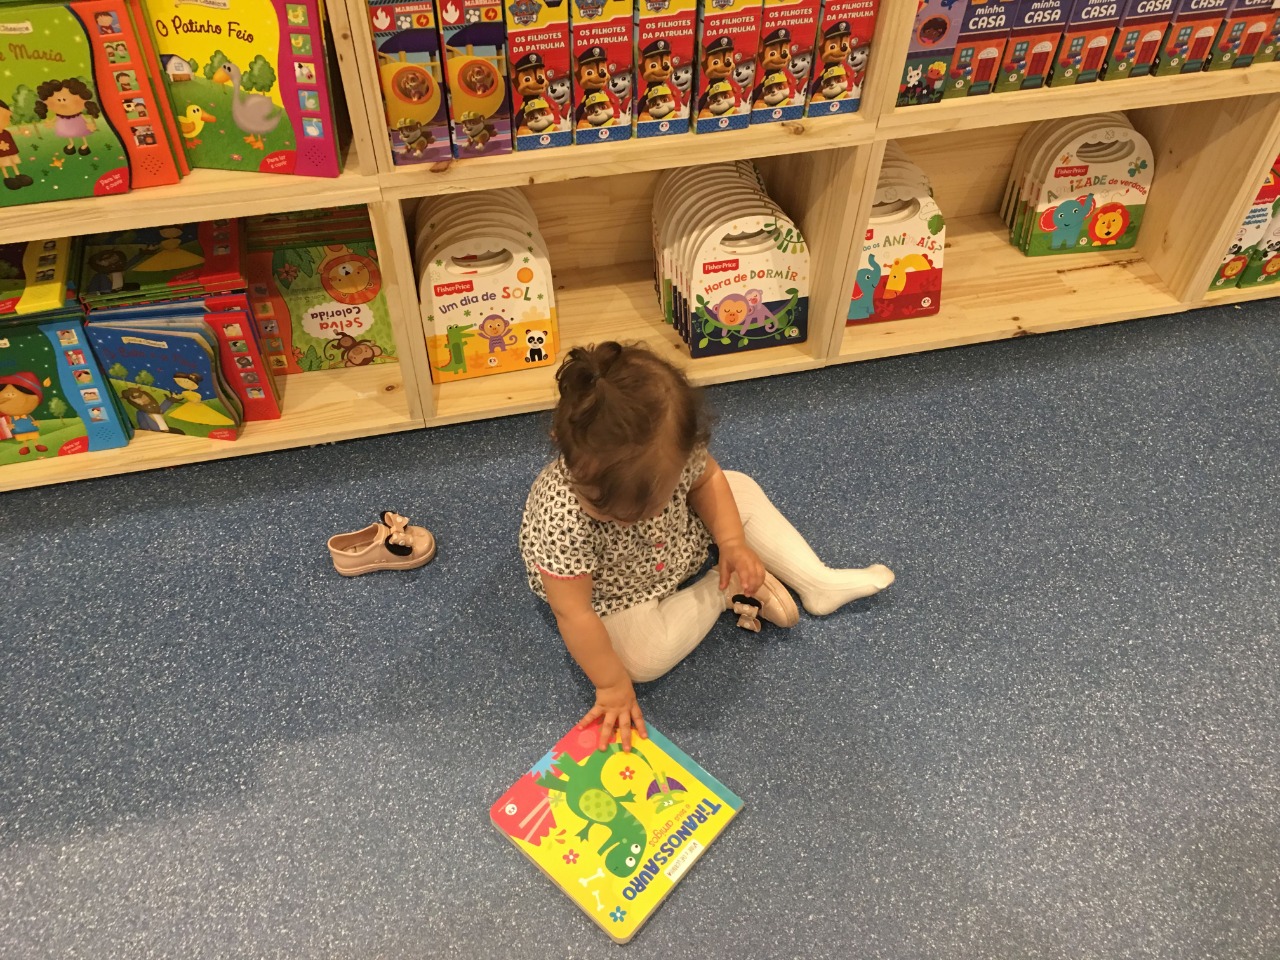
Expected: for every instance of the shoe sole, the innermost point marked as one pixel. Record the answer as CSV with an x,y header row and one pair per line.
x,y
399,565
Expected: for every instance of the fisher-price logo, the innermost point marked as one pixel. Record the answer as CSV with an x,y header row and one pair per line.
x,y
1076,171
453,289
720,266
590,8
525,12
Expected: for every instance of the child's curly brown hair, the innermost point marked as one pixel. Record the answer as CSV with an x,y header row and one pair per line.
x,y
624,415
76,87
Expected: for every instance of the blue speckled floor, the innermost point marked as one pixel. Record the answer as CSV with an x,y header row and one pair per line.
x,y
1057,736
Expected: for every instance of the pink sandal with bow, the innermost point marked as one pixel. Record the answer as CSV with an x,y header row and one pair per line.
x,y
390,545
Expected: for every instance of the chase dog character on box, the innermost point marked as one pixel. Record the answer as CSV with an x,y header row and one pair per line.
x,y
666,41
602,32
475,48
787,32
408,50
842,50
538,41
729,40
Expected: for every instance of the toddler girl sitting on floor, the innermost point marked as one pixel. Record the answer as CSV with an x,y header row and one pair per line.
x,y
627,513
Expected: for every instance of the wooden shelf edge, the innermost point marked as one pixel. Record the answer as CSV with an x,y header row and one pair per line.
x,y
1218,298
321,407
630,156
1025,106
204,195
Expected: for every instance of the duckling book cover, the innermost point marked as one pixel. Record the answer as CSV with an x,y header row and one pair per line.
x,y
249,83
615,831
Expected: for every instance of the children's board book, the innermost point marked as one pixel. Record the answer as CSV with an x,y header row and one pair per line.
x,y
728,39
249,83
78,111
842,50
1188,43
933,43
168,377
975,66
38,278
1251,258
667,46
603,41
319,299
542,75
1137,41
1082,52
787,31
1249,35
1034,37
54,400
615,831
411,73
161,263
474,35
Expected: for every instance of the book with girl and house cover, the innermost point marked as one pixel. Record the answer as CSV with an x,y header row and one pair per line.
x,y
615,831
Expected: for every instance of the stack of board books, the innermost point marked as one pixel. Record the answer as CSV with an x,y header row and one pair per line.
x,y
317,292
54,399
168,317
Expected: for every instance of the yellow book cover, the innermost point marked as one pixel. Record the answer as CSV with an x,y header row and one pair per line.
x,y
615,831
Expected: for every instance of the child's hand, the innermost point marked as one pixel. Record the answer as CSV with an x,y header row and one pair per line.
x,y
620,710
737,557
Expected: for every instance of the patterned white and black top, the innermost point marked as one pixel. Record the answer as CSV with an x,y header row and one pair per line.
x,y
628,563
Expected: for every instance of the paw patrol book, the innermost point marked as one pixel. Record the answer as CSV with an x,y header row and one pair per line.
x,y
933,44
1248,35
787,31
1034,38
474,35
249,83
319,300
667,46
975,66
604,69
729,39
842,50
411,73
1082,52
541,73
615,831
78,112
1188,42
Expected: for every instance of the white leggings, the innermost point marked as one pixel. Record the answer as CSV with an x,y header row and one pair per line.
x,y
654,636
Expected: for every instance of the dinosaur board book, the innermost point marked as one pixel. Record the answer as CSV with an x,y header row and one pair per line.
x,y
1082,52
411,73
665,51
54,400
933,43
78,111
615,831
249,83
319,301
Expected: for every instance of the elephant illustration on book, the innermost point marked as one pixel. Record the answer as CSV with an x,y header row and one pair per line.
x,y
1065,220
862,306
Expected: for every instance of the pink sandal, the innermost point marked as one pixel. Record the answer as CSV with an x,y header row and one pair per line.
x,y
390,545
